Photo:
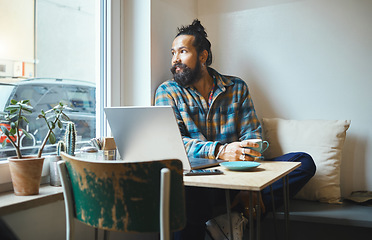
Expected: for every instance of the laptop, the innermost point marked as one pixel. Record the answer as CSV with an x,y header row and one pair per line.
x,y
150,133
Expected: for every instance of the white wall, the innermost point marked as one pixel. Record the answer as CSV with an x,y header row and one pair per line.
x,y
166,17
303,59
150,27
136,68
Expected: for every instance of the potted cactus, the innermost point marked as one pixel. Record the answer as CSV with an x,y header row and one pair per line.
x,y
26,170
70,139
67,146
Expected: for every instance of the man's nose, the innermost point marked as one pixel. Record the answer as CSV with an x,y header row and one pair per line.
x,y
176,59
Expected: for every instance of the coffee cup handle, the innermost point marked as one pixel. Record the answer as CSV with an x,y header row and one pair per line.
x,y
267,146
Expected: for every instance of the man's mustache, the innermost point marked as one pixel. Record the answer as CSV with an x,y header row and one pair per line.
x,y
178,65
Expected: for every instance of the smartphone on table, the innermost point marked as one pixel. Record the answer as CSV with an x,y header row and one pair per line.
x,y
203,172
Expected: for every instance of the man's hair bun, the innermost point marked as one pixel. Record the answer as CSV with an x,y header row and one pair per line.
x,y
198,27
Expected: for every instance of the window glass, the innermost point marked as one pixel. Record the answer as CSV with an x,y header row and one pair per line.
x,y
50,55
6,91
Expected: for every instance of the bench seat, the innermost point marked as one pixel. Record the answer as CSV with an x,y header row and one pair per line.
x,y
321,221
348,213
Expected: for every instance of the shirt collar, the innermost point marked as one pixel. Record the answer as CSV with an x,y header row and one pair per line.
x,y
222,81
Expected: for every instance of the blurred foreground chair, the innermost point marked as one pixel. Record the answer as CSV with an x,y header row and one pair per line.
x,y
133,197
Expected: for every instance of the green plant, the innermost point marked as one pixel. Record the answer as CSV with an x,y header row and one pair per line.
x,y
70,138
16,113
60,147
68,146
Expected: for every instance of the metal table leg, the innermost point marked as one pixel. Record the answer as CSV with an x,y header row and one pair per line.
x,y
274,211
251,233
286,204
258,217
227,195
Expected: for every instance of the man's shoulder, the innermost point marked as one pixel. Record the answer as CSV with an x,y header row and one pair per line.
x,y
169,87
229,79
234,79
233,82
168,84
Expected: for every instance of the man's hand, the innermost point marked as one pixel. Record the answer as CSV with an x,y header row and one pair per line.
x,y
239,151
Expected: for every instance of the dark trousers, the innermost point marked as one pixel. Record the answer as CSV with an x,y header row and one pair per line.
x,y
202,202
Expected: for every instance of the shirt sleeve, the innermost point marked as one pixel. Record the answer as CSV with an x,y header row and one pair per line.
x,y
198,148
250,127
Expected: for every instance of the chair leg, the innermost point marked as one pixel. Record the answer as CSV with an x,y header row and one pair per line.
x,y
68,200
96,233
164,204
106,235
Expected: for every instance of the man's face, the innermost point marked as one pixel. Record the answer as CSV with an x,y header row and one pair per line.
x,y
185,61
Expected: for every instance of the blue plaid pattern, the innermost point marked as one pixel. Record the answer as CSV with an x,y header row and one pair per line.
x,y
230,117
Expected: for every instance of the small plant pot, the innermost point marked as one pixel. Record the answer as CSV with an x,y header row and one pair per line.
x,y
55,179
26,174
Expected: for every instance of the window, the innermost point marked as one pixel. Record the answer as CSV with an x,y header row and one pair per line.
x,y
49,52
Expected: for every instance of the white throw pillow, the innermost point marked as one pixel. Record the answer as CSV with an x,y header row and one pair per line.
x,y
323,140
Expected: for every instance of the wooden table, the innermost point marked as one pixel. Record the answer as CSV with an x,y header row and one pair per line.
x,y
254,180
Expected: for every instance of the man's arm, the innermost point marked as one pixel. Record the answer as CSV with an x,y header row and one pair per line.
x,y
195,147
249,127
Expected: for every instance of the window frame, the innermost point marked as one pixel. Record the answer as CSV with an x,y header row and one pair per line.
x,y
112,62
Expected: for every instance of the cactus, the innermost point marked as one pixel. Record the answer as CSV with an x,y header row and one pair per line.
x,y
60,147
70,139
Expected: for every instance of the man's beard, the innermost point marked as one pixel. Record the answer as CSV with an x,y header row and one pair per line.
x,y
187,76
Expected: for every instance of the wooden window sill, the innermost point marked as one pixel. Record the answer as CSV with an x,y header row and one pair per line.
x,y
10,203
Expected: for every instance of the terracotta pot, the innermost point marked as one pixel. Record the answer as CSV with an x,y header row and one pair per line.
x,y
26,174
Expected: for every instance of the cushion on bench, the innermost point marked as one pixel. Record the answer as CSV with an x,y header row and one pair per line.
x,y
323,140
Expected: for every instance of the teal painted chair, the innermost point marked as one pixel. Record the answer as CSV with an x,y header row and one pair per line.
x,y
133,197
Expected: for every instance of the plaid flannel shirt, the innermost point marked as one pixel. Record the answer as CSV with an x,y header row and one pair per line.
x,y
230,117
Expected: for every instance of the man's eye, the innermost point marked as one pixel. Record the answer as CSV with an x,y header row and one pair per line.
x,y
183,51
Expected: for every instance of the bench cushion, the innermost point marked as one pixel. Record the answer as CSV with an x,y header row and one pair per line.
x,y
323,140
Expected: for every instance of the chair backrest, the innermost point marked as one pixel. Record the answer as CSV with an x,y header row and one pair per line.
x,y
123,196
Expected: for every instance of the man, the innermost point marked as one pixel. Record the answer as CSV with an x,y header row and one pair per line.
x,y
216,118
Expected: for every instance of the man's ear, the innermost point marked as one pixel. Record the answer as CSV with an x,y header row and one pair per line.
x,y
203,56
